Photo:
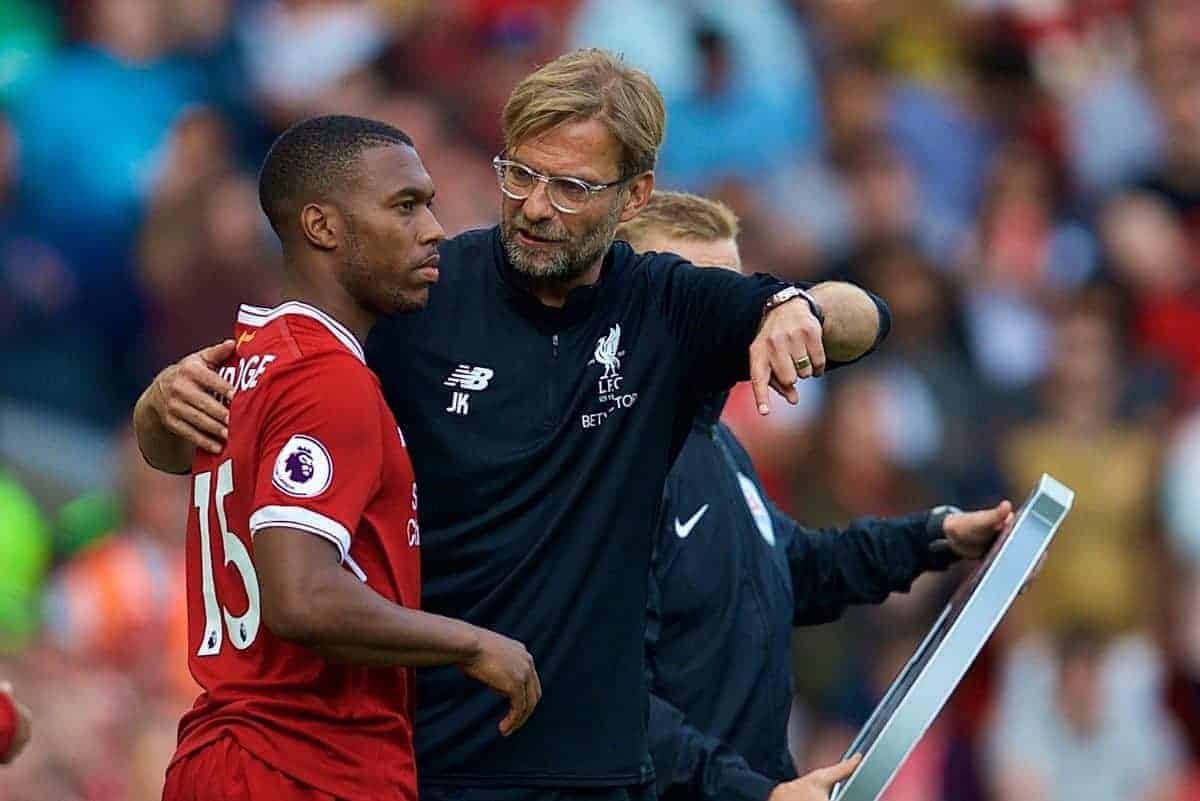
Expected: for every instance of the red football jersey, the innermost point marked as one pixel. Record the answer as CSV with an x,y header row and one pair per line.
x,y
313,447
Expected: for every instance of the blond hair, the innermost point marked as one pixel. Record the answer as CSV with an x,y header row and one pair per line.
x,y
590,84
679,215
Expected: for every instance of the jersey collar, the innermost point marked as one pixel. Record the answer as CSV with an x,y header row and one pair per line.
x,y
257,316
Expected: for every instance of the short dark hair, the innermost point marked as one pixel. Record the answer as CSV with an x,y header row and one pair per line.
x,y
313,158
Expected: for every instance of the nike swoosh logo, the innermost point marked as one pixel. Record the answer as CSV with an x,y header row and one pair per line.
x,y
683,529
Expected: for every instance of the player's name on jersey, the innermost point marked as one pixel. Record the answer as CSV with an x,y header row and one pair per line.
x,y
247,372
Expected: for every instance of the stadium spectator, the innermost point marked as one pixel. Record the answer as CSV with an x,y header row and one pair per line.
x,y
1079,719
204,244
1175,90
117,86
1147,252
119,601
1021,254
1102,560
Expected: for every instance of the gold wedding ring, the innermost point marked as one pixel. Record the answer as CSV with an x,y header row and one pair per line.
x,y
803,362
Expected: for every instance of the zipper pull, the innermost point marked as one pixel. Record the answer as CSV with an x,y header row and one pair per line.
x,y
554,343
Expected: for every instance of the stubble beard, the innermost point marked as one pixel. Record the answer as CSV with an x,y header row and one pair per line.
x,y
567,262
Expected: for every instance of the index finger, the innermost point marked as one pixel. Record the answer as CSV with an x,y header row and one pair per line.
x,y
760,376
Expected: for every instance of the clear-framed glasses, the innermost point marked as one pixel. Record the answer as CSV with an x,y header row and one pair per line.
x,y
568,195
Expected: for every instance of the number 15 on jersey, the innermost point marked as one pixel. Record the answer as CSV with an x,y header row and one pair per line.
x,y
243,629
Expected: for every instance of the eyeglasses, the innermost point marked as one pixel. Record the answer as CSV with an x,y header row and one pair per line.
x,y
568,195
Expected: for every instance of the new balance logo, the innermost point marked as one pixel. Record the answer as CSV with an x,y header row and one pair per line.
x,y
468,377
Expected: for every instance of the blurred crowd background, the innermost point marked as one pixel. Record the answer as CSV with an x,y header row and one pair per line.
x,y
1020,179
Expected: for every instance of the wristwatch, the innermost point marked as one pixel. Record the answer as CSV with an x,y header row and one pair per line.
x,y
791,293
938,541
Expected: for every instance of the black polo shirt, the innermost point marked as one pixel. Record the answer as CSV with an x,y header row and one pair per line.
x,y
541,440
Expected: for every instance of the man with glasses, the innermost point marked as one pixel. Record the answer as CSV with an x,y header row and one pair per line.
x,y
544,391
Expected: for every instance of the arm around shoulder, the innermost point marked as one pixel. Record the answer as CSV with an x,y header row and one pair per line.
x,y
179,411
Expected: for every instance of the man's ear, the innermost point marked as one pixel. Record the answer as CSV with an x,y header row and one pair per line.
x,y
322,225
640,189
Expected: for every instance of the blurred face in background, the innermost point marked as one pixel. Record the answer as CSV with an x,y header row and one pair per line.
x,y
1169,36
545,243
855,106
230,221
883,192
714,55
134,30
199,149
1016,221
852,24
1170,46
198,25
1086,382
1180,104
466,182
1085,343
1147,245
858,453
914,292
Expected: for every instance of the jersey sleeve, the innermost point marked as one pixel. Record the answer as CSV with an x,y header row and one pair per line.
x,y
320,454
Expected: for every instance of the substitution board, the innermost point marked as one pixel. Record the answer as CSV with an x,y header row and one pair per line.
x,y
942,658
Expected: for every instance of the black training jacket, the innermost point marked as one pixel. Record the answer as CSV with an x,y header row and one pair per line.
x,y
731,576
541,439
